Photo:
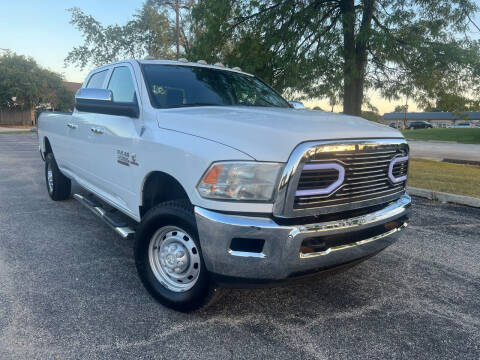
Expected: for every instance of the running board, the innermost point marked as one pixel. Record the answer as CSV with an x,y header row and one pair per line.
x,y
111,219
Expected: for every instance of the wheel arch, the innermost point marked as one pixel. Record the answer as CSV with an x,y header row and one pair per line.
x,y
47,147
158,187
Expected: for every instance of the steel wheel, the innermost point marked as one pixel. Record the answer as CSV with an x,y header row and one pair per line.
x,y
174,258
50,177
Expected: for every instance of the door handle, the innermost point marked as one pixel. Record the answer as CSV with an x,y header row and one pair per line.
x,y
72,126
96,130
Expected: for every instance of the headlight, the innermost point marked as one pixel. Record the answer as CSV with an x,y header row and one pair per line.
x,y
248,181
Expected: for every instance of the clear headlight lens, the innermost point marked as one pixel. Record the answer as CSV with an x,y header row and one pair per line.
x,y
248,181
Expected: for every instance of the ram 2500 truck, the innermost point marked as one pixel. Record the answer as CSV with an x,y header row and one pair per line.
x,y
220,180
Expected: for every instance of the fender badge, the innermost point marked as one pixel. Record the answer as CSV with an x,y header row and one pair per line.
x,y
125,158
133,161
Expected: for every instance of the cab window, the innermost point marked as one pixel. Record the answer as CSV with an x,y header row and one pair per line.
x,y
121,85
96,80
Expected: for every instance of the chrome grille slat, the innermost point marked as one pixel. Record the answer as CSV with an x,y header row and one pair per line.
x,y
364,158
356,178
355,188
326,197
380,195
337,154
357,167
386,161
356,173
367,181
350,192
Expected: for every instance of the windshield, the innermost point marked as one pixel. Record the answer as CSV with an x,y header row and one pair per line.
x,y
172,86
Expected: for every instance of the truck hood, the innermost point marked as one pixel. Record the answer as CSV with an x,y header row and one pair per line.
x,y
268,134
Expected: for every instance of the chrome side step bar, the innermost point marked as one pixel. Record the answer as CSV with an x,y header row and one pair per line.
x,y
118,225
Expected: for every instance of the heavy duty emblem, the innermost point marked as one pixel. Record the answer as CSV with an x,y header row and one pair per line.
x,y
134,159
125,158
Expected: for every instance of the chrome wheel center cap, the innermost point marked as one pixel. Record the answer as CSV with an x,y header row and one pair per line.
x,y
175,258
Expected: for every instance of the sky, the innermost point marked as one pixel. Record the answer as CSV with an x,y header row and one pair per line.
x,y
41,29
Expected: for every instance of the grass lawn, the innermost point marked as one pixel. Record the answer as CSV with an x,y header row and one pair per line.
x,y
466,136
444,177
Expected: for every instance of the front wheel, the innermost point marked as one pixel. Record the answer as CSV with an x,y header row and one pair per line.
x,y
169,258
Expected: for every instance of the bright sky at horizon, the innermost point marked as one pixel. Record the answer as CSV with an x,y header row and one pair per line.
x,y
41,29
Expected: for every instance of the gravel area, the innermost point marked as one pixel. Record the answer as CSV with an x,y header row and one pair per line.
x,y
69,290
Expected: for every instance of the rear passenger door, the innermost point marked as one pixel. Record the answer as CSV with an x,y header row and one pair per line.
x,y
113,142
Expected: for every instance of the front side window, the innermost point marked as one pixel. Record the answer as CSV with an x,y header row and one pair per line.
x,y
96,80
121,85
181,86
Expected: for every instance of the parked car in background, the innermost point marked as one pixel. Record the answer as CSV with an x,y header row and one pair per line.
x,y
393,125
419,125
463,125
220,180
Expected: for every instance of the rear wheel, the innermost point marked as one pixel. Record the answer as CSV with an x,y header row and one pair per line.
x,y
169,258
58,185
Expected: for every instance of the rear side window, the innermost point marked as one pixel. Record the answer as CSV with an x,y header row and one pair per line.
x,y
96,80
121,85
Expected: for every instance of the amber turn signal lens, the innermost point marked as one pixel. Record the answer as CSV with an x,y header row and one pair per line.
x,y
212,175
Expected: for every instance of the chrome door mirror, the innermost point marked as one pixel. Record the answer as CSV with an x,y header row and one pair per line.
x,y
101,101
297,105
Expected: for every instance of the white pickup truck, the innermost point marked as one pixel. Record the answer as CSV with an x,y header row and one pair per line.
x,y
220,180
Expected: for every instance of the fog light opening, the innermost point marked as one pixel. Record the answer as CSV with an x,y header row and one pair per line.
x,y
247,245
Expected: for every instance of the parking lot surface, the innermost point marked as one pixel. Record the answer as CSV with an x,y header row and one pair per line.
x,y
69,289
440,150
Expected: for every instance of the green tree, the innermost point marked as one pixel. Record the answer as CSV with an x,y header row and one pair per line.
x,y
150,32
401,108
448,102
24,84
341,48
371,115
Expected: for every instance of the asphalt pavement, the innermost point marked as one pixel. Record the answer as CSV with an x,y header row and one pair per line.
x,y
439,150
69,290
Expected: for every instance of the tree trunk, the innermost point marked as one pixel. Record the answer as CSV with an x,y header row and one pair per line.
x,y
347,9
355,54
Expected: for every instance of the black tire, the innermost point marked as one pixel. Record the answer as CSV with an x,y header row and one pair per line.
x,y
61,186
177,213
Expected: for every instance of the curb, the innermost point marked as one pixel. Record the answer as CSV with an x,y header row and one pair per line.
x,y
462,162
444,197
438,141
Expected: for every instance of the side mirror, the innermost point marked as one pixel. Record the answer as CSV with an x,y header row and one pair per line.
x,y
100,101
297,105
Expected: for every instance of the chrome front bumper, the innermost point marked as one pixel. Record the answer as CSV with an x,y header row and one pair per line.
x,y
281,256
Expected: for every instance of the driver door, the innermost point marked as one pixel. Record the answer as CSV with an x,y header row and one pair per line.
x,y
113,142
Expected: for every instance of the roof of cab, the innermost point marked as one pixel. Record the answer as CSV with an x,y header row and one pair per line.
x,y
189,63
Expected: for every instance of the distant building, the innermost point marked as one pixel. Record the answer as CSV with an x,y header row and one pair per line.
x,y
72,86
437,119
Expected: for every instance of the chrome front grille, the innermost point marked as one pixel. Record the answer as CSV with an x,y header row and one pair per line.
x,y
366,177
371,172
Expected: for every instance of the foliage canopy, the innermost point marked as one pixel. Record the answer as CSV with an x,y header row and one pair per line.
x,y
339,48
333,49
24,84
